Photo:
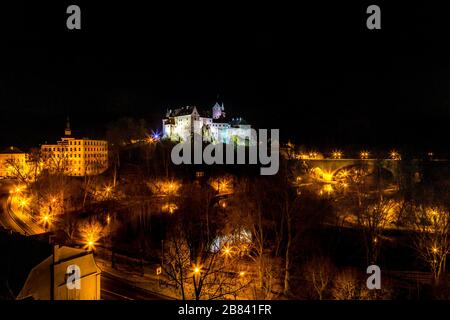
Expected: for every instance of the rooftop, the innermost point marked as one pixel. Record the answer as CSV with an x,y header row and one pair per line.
x,y
11,150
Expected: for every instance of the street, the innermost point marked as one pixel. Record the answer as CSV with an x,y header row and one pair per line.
x,y
114,288
8,219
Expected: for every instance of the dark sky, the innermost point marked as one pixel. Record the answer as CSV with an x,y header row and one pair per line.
x,y
314,71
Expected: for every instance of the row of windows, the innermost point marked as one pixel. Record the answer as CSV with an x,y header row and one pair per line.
x,y
88,143
56,149
76,155
79,169
87,162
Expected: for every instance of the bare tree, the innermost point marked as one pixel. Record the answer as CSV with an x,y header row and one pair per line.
x,y
346,285
29,171
432,237
195,259
319,273
373,210
373,217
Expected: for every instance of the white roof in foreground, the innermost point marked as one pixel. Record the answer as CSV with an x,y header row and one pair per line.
x,y
38,284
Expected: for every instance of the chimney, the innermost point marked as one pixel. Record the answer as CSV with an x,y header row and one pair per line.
x,y
55,253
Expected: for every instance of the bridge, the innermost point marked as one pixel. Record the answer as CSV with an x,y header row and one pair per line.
x,y
333,166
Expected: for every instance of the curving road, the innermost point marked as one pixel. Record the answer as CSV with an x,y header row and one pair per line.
x,y
112,287
8,219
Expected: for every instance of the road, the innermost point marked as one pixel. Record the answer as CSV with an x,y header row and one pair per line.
x,y
114,288
5,219
8,219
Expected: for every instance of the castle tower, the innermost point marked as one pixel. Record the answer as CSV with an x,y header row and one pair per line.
x,y
217,111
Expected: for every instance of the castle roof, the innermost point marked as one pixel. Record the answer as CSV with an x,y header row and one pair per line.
x,y
222,119
238,121
188,110
184,111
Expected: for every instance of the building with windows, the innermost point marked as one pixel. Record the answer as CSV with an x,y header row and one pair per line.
x,y
214,126
75,156
12,159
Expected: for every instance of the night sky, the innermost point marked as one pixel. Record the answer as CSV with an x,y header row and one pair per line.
x,y
314,71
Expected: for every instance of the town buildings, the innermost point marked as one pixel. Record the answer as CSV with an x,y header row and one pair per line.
x,y
12,159
76,156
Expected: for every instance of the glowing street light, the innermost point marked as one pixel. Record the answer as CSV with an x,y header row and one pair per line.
x,y
196,270
90,245
364,155
46,219
227,251
108,190
394,155
16,190
222,184
327,176
337,154
242,273
170,187
169,207
22,203
328,188
91,233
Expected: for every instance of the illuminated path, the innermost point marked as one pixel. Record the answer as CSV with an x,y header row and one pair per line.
x,y
5,219
11,220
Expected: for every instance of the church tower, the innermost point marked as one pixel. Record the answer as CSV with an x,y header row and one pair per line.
x,y
68,132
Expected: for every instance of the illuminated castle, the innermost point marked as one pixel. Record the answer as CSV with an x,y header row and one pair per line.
x,y
180,125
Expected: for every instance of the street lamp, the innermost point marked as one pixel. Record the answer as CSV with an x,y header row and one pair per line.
x,y
90,245
395,155
46,220
227,251
364,155
337,154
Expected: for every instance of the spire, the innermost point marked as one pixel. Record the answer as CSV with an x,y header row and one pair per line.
x,y
68,132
